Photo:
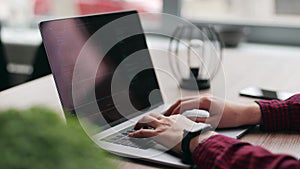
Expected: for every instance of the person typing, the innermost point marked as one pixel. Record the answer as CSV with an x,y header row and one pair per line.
x,y
209,149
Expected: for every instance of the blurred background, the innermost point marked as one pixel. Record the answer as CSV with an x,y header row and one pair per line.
x,y
255,21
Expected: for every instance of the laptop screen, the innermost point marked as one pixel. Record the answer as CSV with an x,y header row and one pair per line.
x,y
88,70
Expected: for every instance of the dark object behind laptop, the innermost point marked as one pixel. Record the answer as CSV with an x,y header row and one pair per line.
x,y
40,65
4,78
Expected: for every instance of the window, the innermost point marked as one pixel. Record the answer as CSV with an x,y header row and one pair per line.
x,y
29,12
267,21
279,12
96,6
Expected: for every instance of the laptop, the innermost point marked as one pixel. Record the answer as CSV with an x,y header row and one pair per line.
x,y
104,75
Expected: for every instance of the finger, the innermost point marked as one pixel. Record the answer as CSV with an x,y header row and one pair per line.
x,y
205,102
143,133
147,121
176,104
170,110
187,105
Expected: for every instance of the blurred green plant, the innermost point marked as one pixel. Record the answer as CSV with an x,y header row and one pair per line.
x,y
38,139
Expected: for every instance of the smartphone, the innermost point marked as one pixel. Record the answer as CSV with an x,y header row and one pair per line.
x,y
259,93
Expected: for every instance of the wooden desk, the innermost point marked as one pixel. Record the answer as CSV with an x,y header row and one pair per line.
x,y
272,67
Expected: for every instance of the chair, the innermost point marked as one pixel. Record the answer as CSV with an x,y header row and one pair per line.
x,y
40,65
4,77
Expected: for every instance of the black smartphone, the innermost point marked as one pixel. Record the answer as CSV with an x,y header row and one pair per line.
x,y
259,93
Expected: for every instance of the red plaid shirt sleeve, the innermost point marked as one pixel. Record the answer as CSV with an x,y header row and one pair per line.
x,y
223,152
280,115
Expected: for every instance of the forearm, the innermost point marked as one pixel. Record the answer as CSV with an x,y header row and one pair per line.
x,y
222,152
272,115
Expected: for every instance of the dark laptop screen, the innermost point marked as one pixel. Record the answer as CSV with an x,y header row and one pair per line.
x,y
124,83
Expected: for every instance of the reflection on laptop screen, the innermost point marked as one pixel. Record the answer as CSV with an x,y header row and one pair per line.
x,y
124,74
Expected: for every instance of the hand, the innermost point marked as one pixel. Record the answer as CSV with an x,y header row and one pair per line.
x,y
222,113
167,131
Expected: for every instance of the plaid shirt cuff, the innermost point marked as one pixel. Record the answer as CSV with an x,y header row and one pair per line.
x,y
210,152
280,115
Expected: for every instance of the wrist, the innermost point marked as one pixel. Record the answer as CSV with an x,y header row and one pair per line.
x,y
251,115
199,139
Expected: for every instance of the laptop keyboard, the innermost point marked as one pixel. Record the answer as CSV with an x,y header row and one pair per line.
x,y
123,139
